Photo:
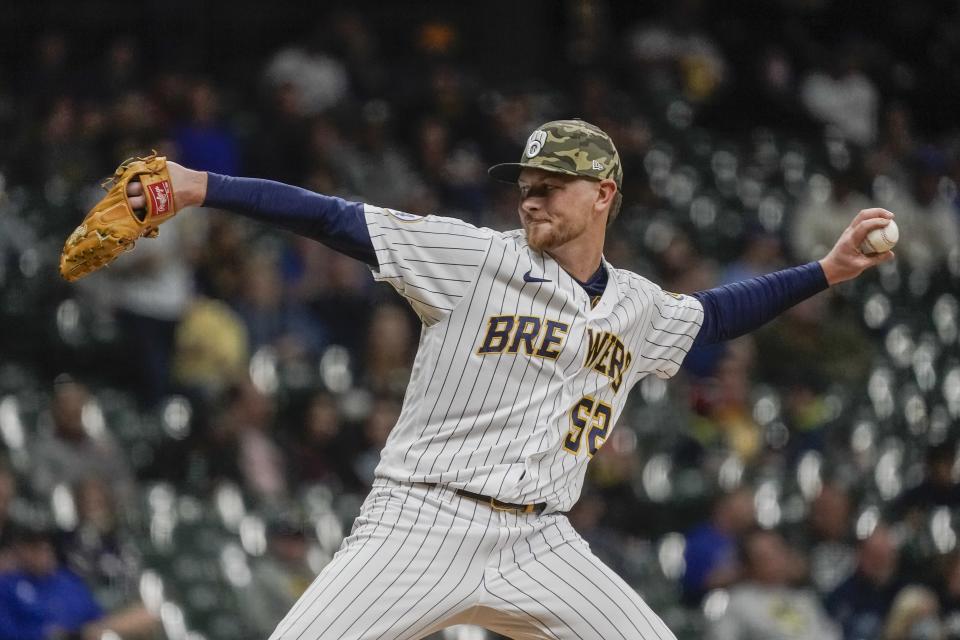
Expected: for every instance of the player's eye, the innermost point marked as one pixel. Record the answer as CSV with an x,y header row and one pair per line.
x,y
537,191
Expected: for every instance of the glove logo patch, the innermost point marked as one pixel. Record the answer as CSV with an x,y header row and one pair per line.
x,y
161,197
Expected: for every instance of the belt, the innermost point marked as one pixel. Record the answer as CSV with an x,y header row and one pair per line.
x,y
499,505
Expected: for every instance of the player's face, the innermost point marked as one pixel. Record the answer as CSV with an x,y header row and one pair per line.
x,y
555,208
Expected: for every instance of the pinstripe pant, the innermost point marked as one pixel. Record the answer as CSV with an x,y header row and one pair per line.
x,y
423,558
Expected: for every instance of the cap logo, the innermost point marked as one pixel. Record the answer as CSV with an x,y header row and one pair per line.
x,y
535,142
597,165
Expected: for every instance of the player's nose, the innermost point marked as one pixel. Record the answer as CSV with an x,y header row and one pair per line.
x,y
530,204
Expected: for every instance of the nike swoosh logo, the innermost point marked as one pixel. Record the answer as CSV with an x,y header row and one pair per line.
x,y
529,278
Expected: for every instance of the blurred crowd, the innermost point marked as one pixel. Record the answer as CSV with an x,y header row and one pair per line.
x,y
802,482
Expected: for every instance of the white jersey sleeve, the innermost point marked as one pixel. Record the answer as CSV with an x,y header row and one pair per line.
x,y
430,260
674,323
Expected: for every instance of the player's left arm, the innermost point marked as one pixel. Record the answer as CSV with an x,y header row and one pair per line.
x,y
335,222
738,308
430,260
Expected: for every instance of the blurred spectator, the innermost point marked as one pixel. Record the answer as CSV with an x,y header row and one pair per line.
x,y
824,212
861,603
279,577
762,254
766,605
95,550
280,149
120,71
104,556
273,320
949,594
357,46
587,517
71,453
682,268
383,416
914,616
447,93
65,151
244,426
379,169
42,600
135,125
843,96
389,350
330,154
334,287
938,488
613,475
319,81
675,55
810,345
509,125
203,142
320,454
455,172
598,96
765,92
723,403
151,289
436,39
928,221
897,145
710,555
222,256
210,349
832,553
48,74
914,507
8,491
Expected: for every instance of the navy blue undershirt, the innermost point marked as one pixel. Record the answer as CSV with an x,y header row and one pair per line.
x,y
337,223
728,311
738,308
596,284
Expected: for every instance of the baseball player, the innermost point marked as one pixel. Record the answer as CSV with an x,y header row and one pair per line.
x,y
531,342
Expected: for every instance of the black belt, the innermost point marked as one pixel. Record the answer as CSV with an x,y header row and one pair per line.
x,y
499,505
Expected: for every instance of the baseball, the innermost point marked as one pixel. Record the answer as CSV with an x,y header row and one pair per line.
x,y
881,240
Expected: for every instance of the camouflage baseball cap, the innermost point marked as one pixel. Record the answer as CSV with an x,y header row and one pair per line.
x,y
572,147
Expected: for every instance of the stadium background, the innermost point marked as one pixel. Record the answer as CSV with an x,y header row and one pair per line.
x,y
196,427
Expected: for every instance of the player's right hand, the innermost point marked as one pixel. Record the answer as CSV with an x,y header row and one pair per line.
x,y
845,261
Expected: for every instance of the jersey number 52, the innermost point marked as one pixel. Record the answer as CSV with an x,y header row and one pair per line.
x,y
588,416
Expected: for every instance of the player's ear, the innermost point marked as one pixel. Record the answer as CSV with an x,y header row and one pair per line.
x,y
606,192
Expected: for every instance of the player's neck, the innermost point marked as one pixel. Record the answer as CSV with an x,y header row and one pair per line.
x,y
579,257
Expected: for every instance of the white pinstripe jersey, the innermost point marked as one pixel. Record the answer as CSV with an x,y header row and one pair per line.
x,y
518,380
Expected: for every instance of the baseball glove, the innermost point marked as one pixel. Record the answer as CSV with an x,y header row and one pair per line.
x,y
113,226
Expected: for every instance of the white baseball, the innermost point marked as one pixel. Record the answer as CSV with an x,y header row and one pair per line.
x,y
881,240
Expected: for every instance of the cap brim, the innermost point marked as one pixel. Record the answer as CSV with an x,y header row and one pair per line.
x,y
509,172
505,172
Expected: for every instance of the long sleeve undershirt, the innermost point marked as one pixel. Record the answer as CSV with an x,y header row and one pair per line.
x,y
728,311
740,307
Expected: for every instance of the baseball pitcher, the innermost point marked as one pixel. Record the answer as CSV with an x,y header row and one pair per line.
x,y
531,342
